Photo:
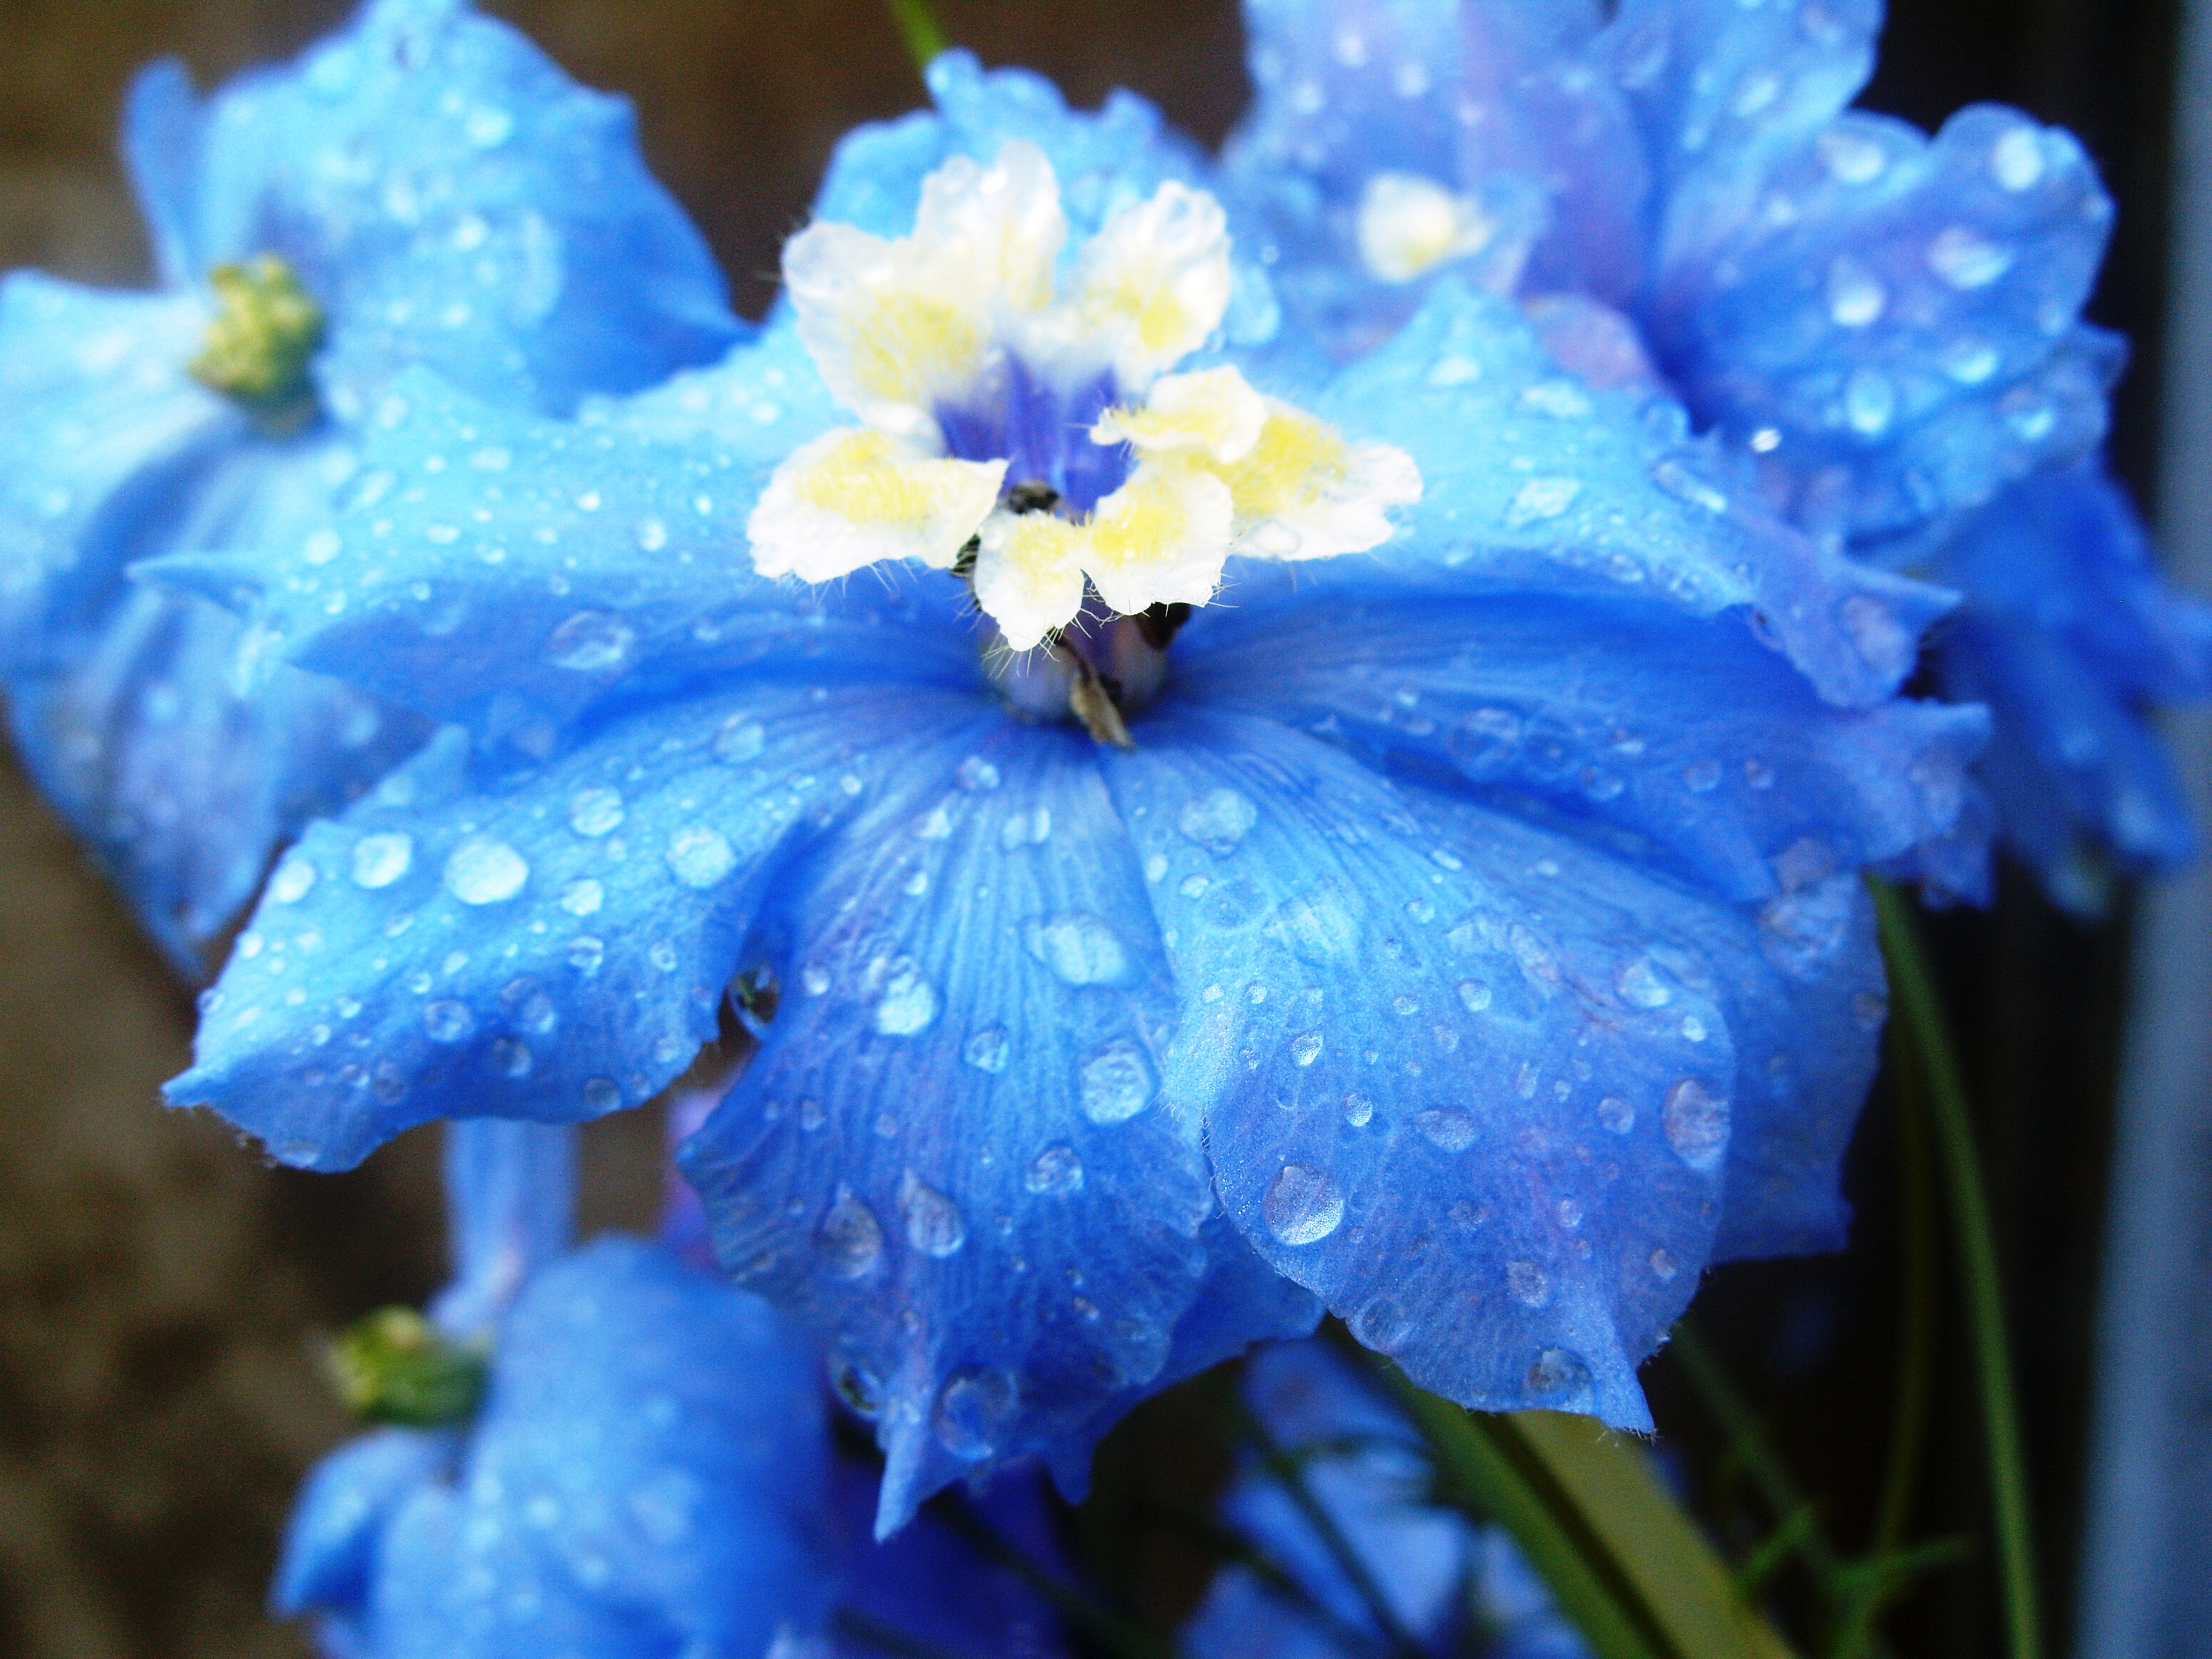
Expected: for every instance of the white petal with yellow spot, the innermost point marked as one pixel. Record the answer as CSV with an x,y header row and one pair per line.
x,y
856,495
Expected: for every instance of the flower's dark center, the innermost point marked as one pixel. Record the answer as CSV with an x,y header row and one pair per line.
x,y
265,333
1097,670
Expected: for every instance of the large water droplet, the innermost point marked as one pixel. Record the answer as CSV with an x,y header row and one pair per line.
x,y
447,1021
1079,948
1641,987
934,1224
1696,1124
1303,1204
909,1004
591,642
1217,819
484,870
1117,1082
699,857
975,1409
1449,1126
595,811
850,1239
987,1049
1055,1170
292,880
380,860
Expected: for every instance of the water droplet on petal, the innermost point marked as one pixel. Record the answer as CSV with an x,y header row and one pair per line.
x,y
2016,158
934,1224
510,1057
1966,260
1056,1169
1359,1109
1303,1204
850,1239
975,1409
1696,1124
586,953
1217,819
1117,1082
1641,987
484,870
1617,1113
292,880
1306,1049
447,1021
987,1051
595,811
1081,949
1869,401
976,774
380,860
738,738
1555,1372
1474,995
1448,1127
591,642
582,896
1528,1284
699,857
601,1094
909,1003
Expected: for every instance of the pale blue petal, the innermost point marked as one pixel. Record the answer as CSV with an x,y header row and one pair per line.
x,y
331,1542
1467,1081
182,788
553,947
510,573
948,1153
1679,743
451,198
1532,479
1906,343
510,1200
103,424
161,141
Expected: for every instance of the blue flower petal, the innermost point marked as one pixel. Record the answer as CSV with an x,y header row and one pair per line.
x,y
510,1198
161,147
1240,1301
1104,161
181,787
509,574
1534,479
1904,346
102,421
1467,1081
948,1152
332,1540
1690,744
552,947
648,1478
451,198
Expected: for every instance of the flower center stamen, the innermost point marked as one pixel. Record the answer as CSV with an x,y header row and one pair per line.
x,y
257,347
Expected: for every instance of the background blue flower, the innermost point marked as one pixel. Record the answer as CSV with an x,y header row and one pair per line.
x,y
1473,939
1882,327
550,265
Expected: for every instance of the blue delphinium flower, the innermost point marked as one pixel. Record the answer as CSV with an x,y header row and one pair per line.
x,y
1411,867
1450,1586
1882,328
425,188
649,1475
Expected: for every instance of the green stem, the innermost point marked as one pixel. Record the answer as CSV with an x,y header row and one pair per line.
x,y
917,24
1286,1472
1916,1328
1108,1630
1912,990
1777,1488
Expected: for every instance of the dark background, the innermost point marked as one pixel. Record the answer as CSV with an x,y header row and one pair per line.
x,y
164,1293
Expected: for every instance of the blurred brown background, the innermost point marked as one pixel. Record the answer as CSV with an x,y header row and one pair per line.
x,y
163,1292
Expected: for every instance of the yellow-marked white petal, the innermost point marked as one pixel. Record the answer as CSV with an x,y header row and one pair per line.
x,y
890,344
1160,539
1409,225
1302,492
1154,282
856,495
994,231
1215,412
1029,574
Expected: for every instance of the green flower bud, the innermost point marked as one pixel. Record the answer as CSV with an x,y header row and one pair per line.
x,y
394,1366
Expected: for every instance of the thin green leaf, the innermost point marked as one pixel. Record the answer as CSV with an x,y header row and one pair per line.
x,y
1623,1560
1916,1337
1912,991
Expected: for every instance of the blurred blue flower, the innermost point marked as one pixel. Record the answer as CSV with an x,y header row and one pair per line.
x,y
649,1474
424,188
1880,328
1466,933
1451,1587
